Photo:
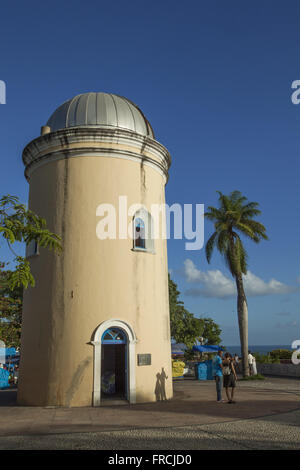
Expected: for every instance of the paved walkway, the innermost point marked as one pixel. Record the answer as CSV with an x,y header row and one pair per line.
x,y
266,415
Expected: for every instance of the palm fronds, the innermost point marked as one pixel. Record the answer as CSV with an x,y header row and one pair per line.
x,y
234,215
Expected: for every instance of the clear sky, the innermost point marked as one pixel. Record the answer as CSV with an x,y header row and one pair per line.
x,y
214,79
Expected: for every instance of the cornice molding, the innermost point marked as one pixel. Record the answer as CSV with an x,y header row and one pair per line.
x,y
87,141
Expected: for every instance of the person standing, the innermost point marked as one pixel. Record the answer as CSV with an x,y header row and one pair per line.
x,y
250,361
16,375
11,380
236,362
254,368
229,377
218,373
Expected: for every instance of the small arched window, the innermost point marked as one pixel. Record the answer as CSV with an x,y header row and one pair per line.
x,y
139,233
142,231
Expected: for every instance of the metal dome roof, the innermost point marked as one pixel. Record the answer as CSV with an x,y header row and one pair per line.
x,y
100,110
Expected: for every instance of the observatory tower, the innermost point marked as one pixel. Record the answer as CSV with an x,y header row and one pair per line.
x,y
96,325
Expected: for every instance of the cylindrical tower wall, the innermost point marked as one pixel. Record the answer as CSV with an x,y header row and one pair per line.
x,y
92,280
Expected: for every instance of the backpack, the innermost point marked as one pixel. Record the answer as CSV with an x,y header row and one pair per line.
x,y
227,369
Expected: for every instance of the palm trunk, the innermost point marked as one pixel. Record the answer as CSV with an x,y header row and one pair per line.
x,y
242,309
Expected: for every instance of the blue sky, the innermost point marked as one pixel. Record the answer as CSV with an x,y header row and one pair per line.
x,y
214,79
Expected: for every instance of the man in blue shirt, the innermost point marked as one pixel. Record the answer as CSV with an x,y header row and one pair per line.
x,y
218,365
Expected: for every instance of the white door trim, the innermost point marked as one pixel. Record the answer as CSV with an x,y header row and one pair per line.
x,y
96,342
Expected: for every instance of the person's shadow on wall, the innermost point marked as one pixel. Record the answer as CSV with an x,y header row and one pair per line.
x,y
160,387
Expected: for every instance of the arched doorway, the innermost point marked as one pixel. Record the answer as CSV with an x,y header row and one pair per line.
x,y
105,336
114,364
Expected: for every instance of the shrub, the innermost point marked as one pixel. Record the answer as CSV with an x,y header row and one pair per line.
x,y
189,354
281,354
266,358
261,358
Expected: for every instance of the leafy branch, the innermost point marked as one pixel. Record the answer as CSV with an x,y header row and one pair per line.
x,y
19,224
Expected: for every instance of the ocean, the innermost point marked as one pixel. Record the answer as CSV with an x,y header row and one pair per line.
x,y
261,349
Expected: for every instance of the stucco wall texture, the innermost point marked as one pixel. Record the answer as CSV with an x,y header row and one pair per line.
x,y
91,281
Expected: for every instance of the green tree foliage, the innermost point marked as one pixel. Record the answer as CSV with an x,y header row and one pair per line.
x,y
266,359
210,331
18,224
235,216
185,327
281,354
10,311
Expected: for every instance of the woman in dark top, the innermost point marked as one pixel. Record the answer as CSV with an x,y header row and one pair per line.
x,y
229,376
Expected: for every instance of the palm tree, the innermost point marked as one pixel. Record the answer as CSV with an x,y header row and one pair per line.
x,y
235,214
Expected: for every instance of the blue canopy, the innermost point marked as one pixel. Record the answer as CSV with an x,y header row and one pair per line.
x,y
8,352
207,348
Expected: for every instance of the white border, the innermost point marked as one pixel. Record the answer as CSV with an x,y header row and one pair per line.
x,y
132,340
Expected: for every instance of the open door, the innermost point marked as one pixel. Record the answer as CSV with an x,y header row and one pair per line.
x,y
114,364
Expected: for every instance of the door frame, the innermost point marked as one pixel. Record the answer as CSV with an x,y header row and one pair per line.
x,y
131,366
